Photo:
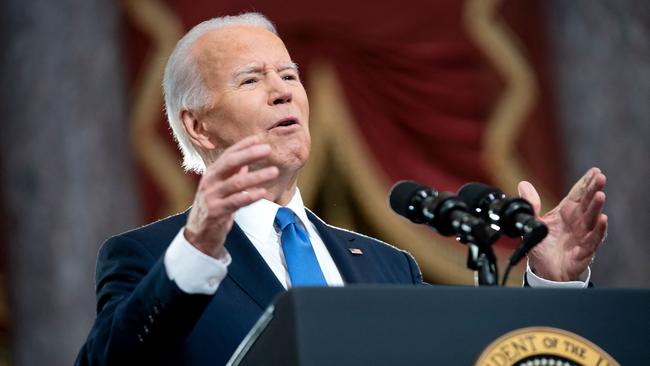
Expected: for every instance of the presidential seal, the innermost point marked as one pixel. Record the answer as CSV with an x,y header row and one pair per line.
x,y
543,346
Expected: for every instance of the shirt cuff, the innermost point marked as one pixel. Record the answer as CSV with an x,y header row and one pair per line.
x,y
538,282
194,271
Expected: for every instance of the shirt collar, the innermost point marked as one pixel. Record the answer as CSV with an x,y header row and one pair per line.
x,y
257,219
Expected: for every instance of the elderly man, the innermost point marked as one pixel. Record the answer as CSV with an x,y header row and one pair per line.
x,y
186,289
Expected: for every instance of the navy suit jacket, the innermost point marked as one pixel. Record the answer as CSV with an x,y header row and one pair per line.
x,y
144,318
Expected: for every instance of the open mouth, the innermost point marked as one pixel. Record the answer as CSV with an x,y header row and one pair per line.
x,y
286,122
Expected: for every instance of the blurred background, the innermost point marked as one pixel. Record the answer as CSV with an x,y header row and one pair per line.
x,y
441,92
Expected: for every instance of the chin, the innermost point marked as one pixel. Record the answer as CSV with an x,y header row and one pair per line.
x,y
291,151
292,159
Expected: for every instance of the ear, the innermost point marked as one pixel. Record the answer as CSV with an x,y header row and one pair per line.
x,y
195,129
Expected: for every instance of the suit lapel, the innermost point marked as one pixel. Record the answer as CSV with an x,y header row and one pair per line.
x,y
338,244
251,273
249,270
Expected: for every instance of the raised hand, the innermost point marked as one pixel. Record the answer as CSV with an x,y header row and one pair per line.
x,y
226,186
576,226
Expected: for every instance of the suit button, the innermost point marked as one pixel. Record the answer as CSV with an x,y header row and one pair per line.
x,y
140,338
150,319
146,329
156,310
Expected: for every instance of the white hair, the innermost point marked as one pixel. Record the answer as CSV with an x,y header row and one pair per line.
x,y
183,86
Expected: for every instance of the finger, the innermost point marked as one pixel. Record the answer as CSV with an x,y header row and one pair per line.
x,y
238,200
595,185
579,188
599,181
242,144
212,189
594,210
245,142
601,227
230,163
242,182
529,193
598,235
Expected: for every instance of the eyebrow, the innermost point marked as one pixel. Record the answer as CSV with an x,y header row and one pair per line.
x,y
256,69
290,66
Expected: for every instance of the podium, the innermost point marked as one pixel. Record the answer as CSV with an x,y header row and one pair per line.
x,y
439,325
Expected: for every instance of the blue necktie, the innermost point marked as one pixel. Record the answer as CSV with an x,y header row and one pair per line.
x,y
301,260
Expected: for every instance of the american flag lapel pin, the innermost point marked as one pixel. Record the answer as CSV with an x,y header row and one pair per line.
x,y
356,251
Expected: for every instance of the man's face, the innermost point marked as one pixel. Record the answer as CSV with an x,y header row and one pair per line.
x,y
254,89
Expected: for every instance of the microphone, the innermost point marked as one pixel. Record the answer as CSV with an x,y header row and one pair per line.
x,y
513,216
443,211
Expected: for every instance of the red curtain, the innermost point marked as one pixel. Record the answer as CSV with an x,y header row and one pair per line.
x,y
419,88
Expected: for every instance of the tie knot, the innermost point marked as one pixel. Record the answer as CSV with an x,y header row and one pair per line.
x,y
285,217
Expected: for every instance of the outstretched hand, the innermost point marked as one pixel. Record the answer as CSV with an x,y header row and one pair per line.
x,y
576,227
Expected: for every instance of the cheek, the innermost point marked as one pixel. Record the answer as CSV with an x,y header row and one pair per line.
x,y
303,105
233,120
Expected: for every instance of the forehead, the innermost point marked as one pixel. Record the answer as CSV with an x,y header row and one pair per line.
x,y
223,50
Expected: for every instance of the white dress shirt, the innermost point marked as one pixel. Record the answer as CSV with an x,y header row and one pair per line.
x,y
539,282
198,273
256,221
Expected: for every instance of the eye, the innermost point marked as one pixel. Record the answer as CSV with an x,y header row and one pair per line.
x,y
249,81
289,77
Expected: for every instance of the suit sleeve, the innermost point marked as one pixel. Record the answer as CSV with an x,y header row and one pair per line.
x,y
416,274
142,316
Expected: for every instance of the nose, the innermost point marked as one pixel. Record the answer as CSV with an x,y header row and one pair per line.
x,y
279,91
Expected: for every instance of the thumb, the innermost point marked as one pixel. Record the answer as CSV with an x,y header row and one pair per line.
x,y
529,193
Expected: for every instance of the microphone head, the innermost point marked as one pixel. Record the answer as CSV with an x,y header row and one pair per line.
x,y
401,196
474,194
